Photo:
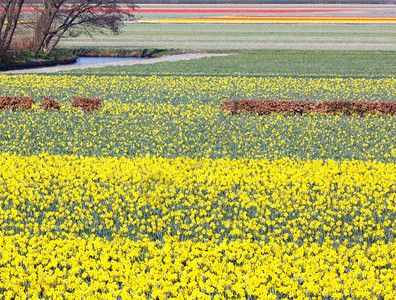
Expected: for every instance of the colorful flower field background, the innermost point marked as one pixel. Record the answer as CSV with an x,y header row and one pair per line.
x,y
278,19
274,15
298,14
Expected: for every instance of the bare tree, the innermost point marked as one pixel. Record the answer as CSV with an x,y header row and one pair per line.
x,y
9,16
61,18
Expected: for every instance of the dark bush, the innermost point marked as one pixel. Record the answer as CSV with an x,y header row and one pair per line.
x,y
50,103
87,104
14,102
4,102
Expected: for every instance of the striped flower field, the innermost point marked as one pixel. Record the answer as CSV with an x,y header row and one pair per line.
x,y
269,14
259,14
274,14
278,19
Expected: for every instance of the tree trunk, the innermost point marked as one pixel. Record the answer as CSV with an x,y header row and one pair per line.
x,y
13,17
10,14
51,46
3,16
9,18
47,40
44,24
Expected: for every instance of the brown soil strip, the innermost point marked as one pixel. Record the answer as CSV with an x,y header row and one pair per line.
x,y
299,107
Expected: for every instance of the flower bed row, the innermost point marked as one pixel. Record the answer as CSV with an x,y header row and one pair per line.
x,y
263,107
75,227
86,104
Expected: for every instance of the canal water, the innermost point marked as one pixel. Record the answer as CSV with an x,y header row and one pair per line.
x,y
99,60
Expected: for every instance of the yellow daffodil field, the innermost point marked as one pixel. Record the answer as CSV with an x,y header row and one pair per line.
x,y
162,195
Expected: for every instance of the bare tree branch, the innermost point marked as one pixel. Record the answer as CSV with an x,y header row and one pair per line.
x,y
62,18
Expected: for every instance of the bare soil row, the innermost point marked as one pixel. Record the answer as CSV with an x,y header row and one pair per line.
x,y
263,107
86,104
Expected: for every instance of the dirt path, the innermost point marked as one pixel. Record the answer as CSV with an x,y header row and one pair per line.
x,y
60,68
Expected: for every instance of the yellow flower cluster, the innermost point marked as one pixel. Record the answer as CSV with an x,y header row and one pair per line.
x,y
74,226
95,268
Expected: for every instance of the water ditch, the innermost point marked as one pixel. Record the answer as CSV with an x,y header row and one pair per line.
x,y
100,60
